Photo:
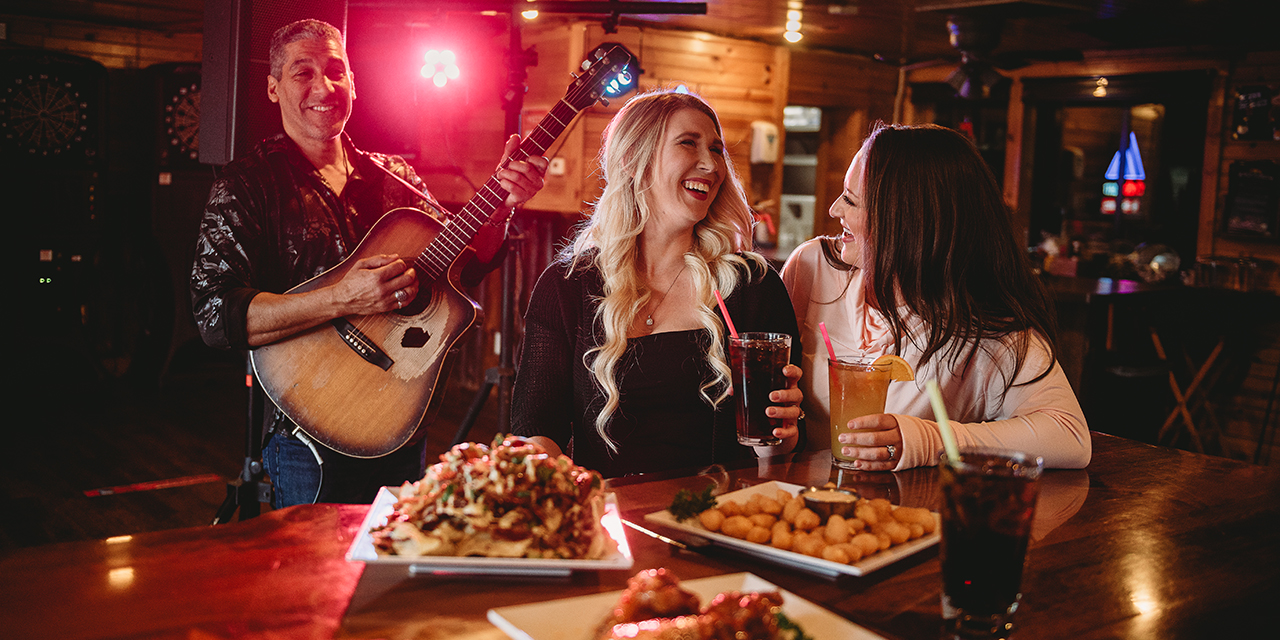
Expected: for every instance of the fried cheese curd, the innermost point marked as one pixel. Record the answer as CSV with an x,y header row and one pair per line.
x,y
655,607
507,500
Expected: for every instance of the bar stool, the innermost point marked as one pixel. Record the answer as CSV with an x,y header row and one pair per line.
x,y
1194,391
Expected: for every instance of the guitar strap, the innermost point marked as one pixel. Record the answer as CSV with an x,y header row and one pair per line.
x,y
412,189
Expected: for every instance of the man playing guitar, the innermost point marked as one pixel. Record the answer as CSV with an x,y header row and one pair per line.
x,y
298,204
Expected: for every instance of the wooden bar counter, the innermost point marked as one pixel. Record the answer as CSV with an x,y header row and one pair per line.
x,y
1147,542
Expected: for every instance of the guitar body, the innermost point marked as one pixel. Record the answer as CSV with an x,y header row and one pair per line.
x,y
342,399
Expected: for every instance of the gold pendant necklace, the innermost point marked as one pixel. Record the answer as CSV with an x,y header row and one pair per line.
x,y
649,320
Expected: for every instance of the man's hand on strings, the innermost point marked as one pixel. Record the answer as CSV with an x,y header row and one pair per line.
x,y
521,179
377,284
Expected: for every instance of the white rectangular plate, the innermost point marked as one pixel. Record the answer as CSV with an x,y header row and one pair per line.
x,y
578,618
816,565
362,550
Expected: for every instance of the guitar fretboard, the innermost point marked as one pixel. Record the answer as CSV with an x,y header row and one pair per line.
x,y
461,229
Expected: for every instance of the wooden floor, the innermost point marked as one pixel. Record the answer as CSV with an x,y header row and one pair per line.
x,y
84,430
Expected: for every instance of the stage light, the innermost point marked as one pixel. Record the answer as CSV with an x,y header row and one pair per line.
x,y
440,67
619,84
792,36
529,14
625,80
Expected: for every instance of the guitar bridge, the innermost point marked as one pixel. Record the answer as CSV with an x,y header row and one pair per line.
x,y
361,344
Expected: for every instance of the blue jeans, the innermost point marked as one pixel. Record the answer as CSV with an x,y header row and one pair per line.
x,y
297,478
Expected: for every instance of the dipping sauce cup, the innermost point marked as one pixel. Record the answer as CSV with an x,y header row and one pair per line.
x,y
756,360
988,503
827,502
858,388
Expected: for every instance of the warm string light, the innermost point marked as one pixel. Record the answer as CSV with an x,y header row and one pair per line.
x,y
529,14
794,24
1100,88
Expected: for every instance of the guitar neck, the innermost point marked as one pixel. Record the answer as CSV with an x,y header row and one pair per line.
x,y
461,229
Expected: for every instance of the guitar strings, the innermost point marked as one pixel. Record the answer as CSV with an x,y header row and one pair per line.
x,y
435,264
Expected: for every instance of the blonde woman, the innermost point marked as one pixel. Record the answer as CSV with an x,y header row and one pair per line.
x,y
625,359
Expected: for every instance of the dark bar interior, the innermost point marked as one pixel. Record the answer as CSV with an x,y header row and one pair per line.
x,y
1136,145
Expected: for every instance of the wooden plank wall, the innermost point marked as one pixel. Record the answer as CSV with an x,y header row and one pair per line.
x,y
854,92
744,81
114,47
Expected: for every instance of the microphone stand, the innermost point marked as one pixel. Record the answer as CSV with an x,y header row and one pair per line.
x,y
503,376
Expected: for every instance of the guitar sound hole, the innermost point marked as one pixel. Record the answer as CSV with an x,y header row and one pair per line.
x,y
414,338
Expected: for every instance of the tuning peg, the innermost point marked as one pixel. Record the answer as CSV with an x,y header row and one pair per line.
x,y
575,76
604,101
585,65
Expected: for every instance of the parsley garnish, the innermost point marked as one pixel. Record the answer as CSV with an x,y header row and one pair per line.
x,y
790,630
688,505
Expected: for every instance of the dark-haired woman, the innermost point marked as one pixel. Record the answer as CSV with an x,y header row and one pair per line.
x,y
928,268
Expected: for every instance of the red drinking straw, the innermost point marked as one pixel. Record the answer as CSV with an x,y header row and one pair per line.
x,y
729,321
826,338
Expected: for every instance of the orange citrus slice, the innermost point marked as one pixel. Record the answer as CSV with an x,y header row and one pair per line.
x,y
898,368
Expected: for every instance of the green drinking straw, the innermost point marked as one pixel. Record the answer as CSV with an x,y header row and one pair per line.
x,y
944,425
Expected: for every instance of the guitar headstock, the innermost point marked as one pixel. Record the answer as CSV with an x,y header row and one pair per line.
x,y
602,66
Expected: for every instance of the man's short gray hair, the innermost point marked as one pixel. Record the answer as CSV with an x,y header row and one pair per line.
x,y
301,30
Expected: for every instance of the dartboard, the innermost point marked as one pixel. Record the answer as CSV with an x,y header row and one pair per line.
x,y
182,122
47,117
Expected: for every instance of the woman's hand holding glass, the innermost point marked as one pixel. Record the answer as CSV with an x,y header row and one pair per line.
x,y
874,442
788,409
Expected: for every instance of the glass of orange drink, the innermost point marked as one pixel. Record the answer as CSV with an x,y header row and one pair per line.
x,y
858,388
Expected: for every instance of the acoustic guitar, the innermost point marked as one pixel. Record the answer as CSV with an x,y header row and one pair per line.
x,y
362,385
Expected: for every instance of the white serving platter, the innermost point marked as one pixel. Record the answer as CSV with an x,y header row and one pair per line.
x,y
361,550
766,552
578,618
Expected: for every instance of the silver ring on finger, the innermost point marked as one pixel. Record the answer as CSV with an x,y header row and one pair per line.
x,y
893,451
400,295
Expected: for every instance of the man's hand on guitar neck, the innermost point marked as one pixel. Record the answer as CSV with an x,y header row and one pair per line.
x,y
522,180
377,284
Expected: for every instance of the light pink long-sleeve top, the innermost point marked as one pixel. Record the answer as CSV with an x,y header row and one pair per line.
x,y
1041,418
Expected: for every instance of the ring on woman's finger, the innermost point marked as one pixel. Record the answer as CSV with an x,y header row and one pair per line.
x,y
801,415
893,451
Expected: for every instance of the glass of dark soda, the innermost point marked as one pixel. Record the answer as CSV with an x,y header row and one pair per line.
x,y
988,504
756,360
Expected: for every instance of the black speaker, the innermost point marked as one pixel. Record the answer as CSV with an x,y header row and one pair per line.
x,y
234,112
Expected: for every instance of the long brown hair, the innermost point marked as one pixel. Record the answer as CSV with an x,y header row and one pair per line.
x,y
942,243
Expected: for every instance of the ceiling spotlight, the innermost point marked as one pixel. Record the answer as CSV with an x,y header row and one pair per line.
x,y
440,67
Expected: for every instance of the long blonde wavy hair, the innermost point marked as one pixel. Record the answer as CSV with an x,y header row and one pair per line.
x,y
609,239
